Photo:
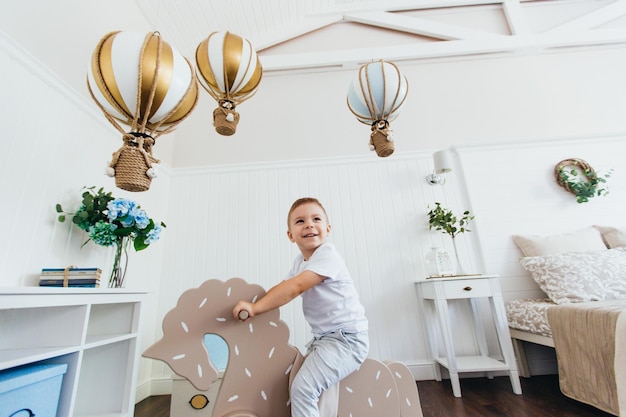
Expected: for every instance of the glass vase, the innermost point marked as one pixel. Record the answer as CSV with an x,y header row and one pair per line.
x,y
459,267
120,263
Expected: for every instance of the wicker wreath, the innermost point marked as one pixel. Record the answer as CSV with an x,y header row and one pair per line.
x,y
585,170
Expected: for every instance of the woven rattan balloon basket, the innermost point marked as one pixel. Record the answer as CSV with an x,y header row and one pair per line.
x,y
132,162
225,121
382,145
381,139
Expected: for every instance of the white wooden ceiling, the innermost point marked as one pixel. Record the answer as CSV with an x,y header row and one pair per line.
x,y
317,35
295,34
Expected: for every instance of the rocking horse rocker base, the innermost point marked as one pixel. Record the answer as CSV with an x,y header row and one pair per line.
x,y
262,363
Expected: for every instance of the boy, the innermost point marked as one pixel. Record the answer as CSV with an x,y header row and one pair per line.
x,y
330,303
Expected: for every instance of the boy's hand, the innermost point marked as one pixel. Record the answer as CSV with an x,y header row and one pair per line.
x,y
243,311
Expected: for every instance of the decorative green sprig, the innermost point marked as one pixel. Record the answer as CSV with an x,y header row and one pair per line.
x,y
447,222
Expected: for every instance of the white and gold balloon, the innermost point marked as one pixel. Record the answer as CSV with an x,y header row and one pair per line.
x,y
375,97
145,88
230,71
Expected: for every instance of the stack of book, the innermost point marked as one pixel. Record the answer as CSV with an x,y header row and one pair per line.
x,y
76,277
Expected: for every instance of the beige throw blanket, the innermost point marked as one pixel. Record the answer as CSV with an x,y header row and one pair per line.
x,y
590,342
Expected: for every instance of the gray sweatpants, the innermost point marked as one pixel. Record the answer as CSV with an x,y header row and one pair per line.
x,y
329,359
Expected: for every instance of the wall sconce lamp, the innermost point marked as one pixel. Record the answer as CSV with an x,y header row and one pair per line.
x,y
443,165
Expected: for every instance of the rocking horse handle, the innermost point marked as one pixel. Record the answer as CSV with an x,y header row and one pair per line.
x,y
243,315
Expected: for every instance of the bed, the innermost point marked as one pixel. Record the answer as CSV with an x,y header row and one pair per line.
x,y
583,313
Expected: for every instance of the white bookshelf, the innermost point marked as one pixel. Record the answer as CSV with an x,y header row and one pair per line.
x,y
93,330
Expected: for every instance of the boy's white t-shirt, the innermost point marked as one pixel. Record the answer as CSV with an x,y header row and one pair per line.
x,y
334,303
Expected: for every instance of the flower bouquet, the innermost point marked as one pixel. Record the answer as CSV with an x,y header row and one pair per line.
x,y
111,221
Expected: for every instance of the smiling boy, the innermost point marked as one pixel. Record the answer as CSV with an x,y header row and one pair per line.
x,y
330,304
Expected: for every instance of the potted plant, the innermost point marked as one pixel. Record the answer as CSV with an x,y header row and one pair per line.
x,y
444,220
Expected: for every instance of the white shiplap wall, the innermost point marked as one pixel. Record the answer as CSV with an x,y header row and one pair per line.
x,y
52,143
513,191
231,221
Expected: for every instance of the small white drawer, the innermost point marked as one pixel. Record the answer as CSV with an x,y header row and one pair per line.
x,y
452,289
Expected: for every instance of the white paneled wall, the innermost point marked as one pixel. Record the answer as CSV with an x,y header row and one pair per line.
x,y
231,222
513,191
52,143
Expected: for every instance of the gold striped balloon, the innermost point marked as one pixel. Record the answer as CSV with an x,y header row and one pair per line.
x,y
141,81
229,67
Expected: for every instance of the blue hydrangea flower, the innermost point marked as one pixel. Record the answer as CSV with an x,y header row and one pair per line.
x,y
140,218
119,208
154,234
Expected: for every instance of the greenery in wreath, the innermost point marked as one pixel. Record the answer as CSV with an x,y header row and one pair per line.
x,y
585,184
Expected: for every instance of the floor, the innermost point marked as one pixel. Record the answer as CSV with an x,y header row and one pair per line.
x,y
482,397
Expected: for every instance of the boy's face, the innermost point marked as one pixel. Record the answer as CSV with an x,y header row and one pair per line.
x,y
308,228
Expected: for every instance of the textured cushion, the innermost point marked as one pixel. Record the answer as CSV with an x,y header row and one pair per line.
x,y
580,276
612,237
529,315
584,240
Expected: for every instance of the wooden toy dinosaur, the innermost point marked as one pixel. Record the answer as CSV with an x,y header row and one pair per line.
x,y
261,360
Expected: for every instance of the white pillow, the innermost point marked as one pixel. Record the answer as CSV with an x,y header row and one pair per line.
x,y
580,276
584,240
612,237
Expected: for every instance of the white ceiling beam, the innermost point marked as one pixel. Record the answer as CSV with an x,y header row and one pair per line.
x,y
300,28
593,19
515,17
513,44
403,5
416,25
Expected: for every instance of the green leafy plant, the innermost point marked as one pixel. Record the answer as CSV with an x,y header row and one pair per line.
x,y
447,222
585,184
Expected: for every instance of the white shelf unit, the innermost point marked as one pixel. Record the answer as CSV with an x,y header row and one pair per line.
x,y
92,330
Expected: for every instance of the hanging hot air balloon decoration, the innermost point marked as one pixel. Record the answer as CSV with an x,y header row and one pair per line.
x,y
141,82
375,98
230,71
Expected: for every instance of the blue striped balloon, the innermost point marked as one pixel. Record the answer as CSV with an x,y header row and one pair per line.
x,y
378,92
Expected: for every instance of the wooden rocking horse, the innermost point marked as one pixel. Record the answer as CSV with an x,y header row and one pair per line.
x,y
261,362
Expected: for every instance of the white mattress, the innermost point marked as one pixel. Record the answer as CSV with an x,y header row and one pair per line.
x,y
530,315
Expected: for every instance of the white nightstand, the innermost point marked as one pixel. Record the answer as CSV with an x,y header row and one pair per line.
x,y
439,291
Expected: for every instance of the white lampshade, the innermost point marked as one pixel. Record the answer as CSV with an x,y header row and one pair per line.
x,y
443,161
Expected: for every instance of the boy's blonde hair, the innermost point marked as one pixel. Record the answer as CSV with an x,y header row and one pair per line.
x,y
305,200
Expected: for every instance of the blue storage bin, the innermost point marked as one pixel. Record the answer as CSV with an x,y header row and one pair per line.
x,y
31,390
